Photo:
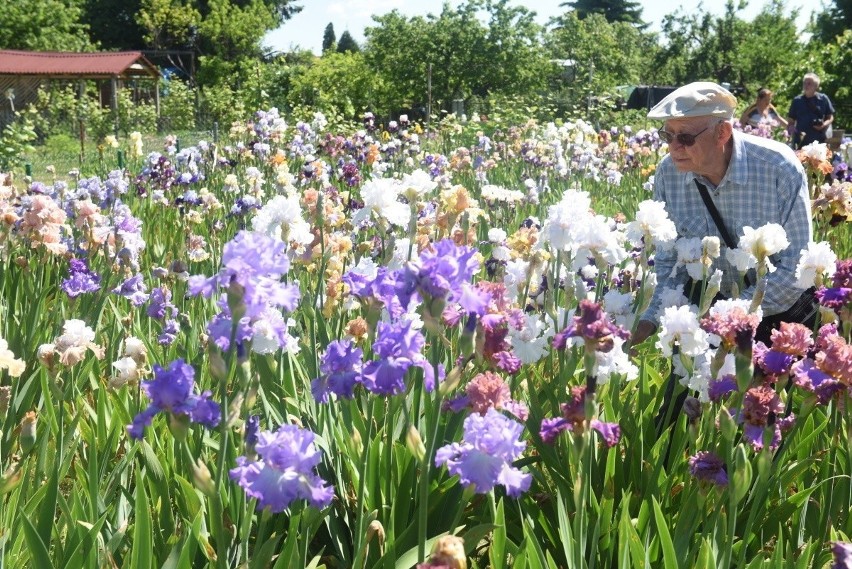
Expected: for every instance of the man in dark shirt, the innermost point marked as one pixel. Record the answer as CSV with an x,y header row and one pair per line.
x,y
811,113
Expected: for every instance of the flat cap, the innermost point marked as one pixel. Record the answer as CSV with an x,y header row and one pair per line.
x,y
699,99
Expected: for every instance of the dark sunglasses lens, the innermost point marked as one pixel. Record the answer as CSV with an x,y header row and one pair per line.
x,y
684,139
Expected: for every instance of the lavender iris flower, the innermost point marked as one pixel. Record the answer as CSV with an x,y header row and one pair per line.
x,y
285,470
171,391
442,272
253,265
168,335
397,348
491,442
80,279
160,304
341,370
722,387
842,553
133,289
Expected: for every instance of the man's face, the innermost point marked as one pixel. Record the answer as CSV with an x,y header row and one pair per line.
x,y
809,86
697,157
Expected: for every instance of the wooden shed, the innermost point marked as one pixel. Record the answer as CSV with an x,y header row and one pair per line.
x,y
23,72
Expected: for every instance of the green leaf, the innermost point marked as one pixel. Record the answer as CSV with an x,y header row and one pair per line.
x,y
628,535
669,557
141,555
706,556
497,551
47,507
262,556
37,548
84,547
566,536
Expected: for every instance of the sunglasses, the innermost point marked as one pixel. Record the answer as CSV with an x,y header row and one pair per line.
x,y
682,138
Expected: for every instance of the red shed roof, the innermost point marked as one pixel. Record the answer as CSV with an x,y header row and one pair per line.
x,y
66,64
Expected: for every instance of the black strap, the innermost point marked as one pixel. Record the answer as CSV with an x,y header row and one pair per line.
x,y
717,219
714,213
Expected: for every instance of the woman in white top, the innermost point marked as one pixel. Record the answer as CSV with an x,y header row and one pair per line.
x,y
762,112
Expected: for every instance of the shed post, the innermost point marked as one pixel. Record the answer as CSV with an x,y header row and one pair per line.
x,y
114,99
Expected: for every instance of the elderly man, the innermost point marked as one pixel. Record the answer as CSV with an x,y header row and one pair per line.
x,y
811,113
750,181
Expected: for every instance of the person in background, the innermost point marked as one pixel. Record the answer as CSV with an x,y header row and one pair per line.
x,y
811,113
751,181
762,112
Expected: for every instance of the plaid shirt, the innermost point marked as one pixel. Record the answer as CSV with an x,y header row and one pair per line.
x,y
765,183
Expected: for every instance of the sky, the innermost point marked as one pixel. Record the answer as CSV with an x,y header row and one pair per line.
x,y
305,29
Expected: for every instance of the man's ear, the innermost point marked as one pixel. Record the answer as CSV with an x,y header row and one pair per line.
x,y
726,130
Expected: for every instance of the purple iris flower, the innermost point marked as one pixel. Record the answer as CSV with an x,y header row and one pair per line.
x,y
160,304
572,419
253,265
381,287
843,274
808,376
171,391
252,429
708,467
340,371
285,470
594,326
169,334
443,271
761,410
398,347
484,458
842,553
772,362
834,298
134,289
251,260
722,387
80,279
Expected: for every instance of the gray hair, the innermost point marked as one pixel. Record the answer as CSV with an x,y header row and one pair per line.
x,y
813,77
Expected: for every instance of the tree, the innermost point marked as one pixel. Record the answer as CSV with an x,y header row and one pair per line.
x,y
329,40
347,43
613,10
226,33
833,21
168,24
338,82
113,25
728,49
475,49
43,25
601,55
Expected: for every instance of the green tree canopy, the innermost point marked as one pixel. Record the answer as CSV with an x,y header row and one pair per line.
x,y
598,55
613,10
476,48
113,24
347,43
338,82
226,33
43,25
833,21
329,39
726,48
